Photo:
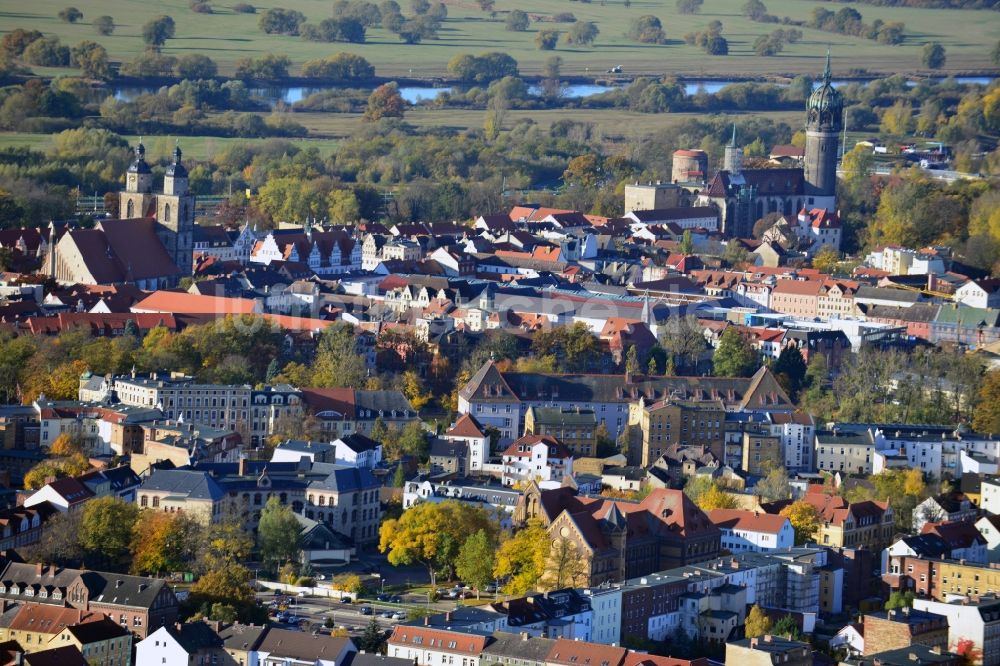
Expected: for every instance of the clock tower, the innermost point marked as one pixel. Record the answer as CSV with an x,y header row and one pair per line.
x,y
138,196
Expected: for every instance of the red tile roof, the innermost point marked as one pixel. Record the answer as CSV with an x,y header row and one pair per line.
x,y
437,640
751,521
528,441
466,426
568,652
178,302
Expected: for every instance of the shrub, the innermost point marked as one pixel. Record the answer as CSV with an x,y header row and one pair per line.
x,y
339,67
158,30
196,66
281,21
201,7
70,15
546,40
564,17
104,25
517,21
47,52
244,8
647,29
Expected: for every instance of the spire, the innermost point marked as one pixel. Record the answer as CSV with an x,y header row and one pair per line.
x,y
827,73
733,141
140,150
177,152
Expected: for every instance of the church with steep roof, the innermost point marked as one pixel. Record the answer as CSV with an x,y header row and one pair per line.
x,y
744,196
150,246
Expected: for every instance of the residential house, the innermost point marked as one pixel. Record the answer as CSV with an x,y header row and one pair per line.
x,y
517,649
568,652
468,432
767,650
101,642
981,293
797,297
574,428
842,523
945,508
901,628
285,647
188,643
975,621
752,530
425,646
501,399
539,458
191,491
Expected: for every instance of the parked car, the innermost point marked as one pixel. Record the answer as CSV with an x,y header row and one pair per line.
x,y
386,614
366,610
346,600
396,599
383,597
399,615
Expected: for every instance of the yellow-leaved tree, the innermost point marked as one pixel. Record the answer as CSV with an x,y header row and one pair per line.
x,y
522,557
804,519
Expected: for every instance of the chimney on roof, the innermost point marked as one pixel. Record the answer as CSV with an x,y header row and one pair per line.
x,y
38,568
524,635
427,620
243,467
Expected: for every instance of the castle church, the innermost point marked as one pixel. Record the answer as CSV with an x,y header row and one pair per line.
x,y
744,196
150,246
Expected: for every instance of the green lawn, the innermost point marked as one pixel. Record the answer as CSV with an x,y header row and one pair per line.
x,y
967,35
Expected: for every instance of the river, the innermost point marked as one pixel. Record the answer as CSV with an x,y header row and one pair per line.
x,y
416,94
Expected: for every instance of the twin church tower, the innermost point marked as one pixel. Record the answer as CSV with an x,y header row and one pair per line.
x,y
173,208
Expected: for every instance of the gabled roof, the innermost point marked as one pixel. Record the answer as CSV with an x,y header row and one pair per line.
x,y
466,426
179,302
568,652
467,644
751,521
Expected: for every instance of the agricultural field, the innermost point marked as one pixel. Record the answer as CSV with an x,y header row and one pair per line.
x,y
225,36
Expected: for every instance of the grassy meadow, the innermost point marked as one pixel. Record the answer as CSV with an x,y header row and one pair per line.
x,y
968,36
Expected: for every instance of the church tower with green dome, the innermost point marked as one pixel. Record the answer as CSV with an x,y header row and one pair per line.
x,y
824,122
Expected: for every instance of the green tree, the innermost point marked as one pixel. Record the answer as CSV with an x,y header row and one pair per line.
x,y
758,623
281,21
632,361
196,66
646,29
804,519
163,542
899,599
774,486
399,478
716,498
790,371
734,357
158,30
546,40
897,120
686,246
337,363
517,21
986,415
522,557
564,566
278,533
582,32
70,15
933,55
92,58
47,52
787,627
826,260
431,534
754,10
106,529
385,102
683,342
373,640
475,560
104,25
689,6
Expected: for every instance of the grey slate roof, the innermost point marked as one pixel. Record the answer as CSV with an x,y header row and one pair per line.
x,y
343,479
516,646
122,590
193,484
